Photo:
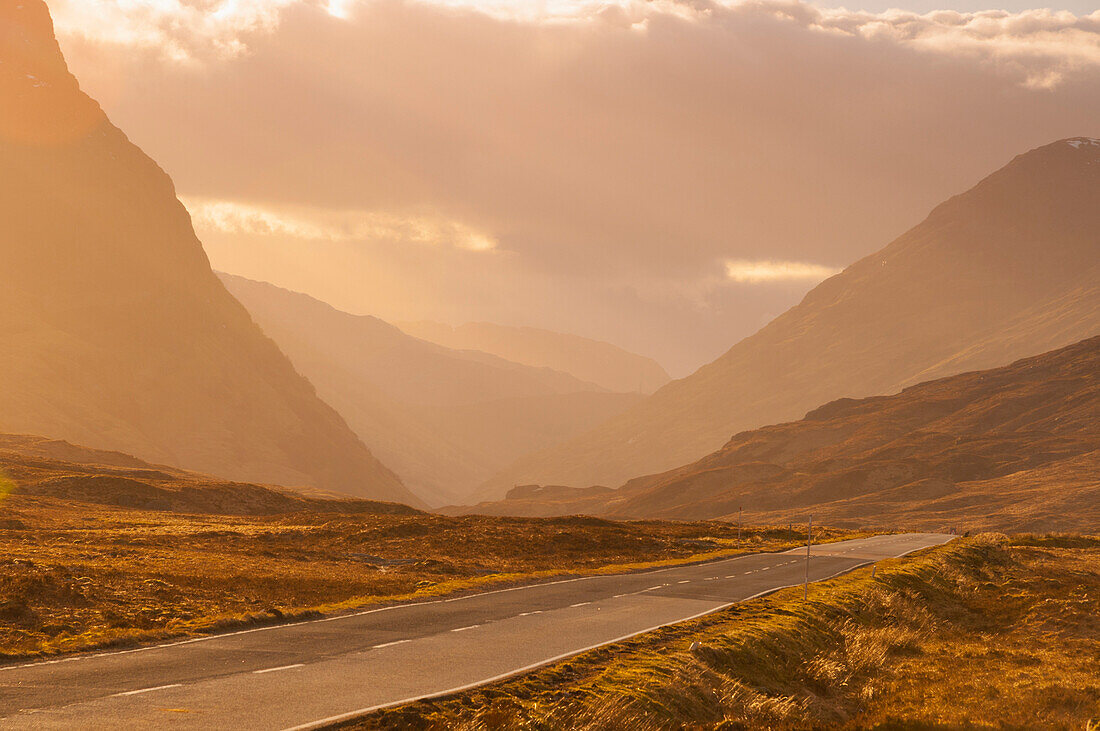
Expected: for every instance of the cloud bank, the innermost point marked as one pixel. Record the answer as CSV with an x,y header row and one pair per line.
x,y
181,30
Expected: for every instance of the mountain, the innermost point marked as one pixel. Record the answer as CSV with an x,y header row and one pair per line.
x,y
594,361
114,331
1013,448
55,469
1008,269
444,419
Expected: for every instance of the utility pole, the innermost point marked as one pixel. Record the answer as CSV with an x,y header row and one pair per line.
x,y
809,540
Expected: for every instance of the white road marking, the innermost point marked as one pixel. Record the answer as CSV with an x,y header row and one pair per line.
x,y
390,644
463,629
281,667
148,690
685,581
579,604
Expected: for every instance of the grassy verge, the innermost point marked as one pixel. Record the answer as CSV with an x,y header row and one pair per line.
x,y
76,576
989,632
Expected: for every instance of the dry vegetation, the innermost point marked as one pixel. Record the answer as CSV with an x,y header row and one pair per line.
x,y
75,575
983,633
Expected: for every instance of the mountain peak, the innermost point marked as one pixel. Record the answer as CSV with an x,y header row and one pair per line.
x,y
1072,150
1078,143
43,102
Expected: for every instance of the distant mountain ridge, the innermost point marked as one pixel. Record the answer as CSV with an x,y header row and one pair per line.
x,y
1012,448
1005,270
445,419
606,365
114,332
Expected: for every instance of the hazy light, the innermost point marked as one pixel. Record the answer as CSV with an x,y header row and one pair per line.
x,y
740,270
326,225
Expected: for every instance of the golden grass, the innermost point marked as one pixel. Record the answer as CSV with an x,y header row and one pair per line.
x,y
988,632
76,576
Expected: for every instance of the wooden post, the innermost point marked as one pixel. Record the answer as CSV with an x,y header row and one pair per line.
x,y
809,541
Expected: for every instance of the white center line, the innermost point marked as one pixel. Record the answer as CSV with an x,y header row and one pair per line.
x,y
390,644
463,629
149,690
650,589
685,581
281,667
579,604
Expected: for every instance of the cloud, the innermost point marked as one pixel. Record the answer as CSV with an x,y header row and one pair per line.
x,y
185,30
231,217
753,272
175,29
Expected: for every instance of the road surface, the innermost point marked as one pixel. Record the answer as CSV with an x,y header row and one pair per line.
x,y
305,675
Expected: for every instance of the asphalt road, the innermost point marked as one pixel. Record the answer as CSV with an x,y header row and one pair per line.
x,y
308,674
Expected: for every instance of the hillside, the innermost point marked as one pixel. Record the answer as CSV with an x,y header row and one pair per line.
x,y
1013,448
115,331
601,363
444,419
1006,270
51,468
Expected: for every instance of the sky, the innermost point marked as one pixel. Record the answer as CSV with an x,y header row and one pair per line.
x,y
667,175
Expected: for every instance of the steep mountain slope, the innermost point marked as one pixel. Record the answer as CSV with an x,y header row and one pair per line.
x,y
114,332
601,363
1016,447
444,419
1008,269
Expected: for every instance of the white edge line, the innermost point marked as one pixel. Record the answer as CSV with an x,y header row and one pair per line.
x,y
285,625
281,667
390,644
147,690
534,666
